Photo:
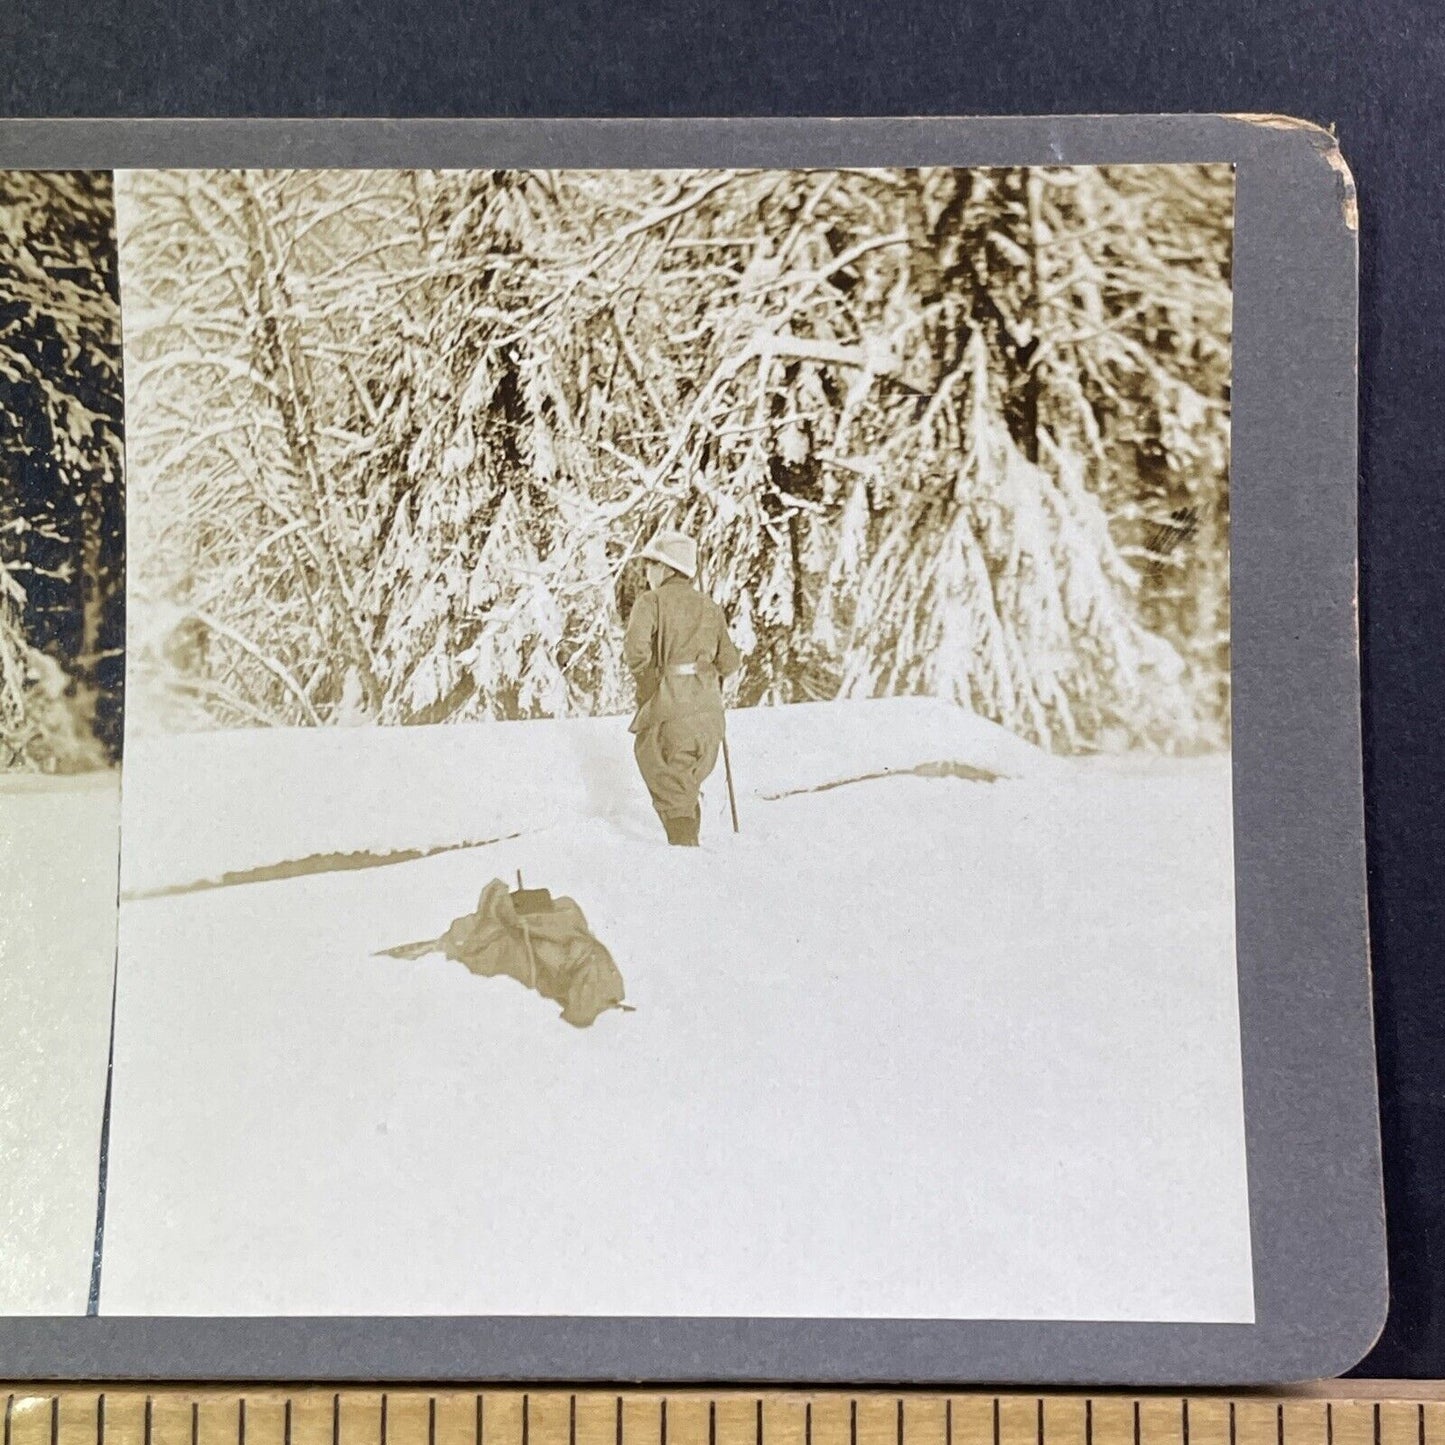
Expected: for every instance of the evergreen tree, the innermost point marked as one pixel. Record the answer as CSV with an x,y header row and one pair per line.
x,y
962,433
61,493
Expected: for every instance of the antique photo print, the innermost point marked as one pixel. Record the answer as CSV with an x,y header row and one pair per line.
x,y
677,746
62,664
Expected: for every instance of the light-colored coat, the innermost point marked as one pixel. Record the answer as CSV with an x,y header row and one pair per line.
x,y
672,625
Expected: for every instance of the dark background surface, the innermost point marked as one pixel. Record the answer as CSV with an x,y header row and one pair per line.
x,y
1375,71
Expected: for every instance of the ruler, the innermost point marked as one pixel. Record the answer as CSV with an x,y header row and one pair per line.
x,y
1334,1414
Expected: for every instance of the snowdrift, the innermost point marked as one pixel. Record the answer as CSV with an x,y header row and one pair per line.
x,y
1021,991
59,838
202,806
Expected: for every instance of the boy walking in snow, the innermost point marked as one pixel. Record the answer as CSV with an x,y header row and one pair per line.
x,y
678,651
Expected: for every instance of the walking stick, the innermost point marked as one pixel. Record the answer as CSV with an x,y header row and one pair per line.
x,y
728,773
728,766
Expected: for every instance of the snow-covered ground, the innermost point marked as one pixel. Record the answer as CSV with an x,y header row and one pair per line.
x,y
206,804
59,840
910,1046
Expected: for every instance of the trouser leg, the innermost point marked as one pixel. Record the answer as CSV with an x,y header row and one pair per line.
x,y
667,791
675,759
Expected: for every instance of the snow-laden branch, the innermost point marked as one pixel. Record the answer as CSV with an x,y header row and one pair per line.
x,y
277,669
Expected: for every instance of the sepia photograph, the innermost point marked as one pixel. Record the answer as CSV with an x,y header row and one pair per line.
x,y
62,666
677,745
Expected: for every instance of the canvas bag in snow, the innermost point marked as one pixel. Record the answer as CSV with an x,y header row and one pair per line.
x,y
552,951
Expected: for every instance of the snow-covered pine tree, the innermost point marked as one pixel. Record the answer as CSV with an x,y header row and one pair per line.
x,y
255,302
962,433
14,655
470,467
61,491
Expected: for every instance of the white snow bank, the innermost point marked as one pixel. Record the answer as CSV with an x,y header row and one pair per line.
x,y
915,1048
59,837
202,805
809,745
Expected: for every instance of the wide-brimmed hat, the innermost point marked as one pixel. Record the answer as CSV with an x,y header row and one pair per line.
x,y
673,549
